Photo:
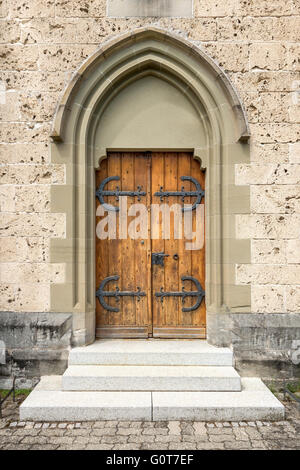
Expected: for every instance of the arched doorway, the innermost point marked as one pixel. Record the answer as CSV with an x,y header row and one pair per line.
x,y
149,91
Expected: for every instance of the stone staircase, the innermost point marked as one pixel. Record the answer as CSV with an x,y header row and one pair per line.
x,y
151,380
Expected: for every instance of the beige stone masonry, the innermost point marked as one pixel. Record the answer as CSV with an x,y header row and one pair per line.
x,y
30,9
32,198
269,153
24,249
35,81
256,173
293,298
268,299
48,45
27,273
266,81
268,226
293,251
19,57
32,174
25,153
32,225
7,199
80,8
25,298
19,132
268,274
275,132
294,152
268,56
269,251
275,199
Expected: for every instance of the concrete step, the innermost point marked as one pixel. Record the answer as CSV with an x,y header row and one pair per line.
x,y
143,378
151,352
48,402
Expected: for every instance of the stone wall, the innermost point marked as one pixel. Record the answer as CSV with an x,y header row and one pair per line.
x,y
255,41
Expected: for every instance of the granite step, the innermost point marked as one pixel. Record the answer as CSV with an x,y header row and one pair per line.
x,y
48,402
150,378
151,352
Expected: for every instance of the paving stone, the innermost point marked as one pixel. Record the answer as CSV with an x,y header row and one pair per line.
x,y
172,435
174,427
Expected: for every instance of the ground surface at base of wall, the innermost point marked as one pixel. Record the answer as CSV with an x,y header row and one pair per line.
x,y
265,345
36,344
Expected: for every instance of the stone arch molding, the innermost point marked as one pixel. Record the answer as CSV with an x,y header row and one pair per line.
x,y
218,139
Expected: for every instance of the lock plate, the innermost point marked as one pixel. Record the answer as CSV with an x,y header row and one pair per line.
x,y
158,258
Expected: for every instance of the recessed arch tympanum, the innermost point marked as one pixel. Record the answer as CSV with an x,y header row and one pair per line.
x,y
110,104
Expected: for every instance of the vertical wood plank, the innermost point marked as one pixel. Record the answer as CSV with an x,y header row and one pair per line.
x,y
198,256
157,244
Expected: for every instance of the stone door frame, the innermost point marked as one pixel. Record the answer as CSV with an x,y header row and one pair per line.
x,y
115,65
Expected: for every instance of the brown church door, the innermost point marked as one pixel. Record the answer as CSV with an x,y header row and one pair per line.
x,y
149,280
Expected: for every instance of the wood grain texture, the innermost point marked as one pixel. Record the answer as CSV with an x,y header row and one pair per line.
x,y
131,259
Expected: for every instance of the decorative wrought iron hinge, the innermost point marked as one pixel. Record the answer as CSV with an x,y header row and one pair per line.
x,y
199,294
100,293
100,193
199,193
158,258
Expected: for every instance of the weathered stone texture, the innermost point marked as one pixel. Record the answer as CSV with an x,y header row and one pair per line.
x,y
256,42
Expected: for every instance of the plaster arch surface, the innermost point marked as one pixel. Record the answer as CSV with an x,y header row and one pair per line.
x,y
92,118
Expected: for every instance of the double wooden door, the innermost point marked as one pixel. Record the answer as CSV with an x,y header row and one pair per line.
x,y
149,282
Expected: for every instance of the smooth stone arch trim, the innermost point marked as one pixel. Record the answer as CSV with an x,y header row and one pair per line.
x,y
129,40
93,89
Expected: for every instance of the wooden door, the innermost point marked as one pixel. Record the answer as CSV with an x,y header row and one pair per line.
x,y
123,256
169,318
150,291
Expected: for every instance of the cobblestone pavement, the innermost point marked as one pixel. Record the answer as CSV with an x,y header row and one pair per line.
x,y
174,435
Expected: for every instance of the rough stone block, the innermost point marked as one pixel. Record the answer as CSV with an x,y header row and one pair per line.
x,y
275,132
264,81
58,58
37,106
269,153
269,251
24,153
292,298
293,251
32,199
80,8
230,56
293,61
35,249
27,273
267,226
33,225
7,199
32,8
294,152
267,299
266,7
10,31
9,107
34,81
275,199
20,132
273,107
256,173
267,56
216,8
33,174
17,57
267,274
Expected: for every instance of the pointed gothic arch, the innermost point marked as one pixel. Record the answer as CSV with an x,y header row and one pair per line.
x,y
218,135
